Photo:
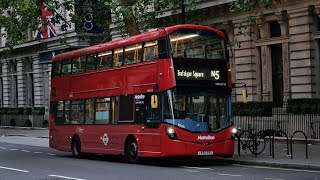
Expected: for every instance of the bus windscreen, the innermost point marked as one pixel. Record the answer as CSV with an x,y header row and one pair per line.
x,y
207,111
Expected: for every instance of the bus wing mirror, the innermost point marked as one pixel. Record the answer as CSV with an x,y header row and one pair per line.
x,y
154,101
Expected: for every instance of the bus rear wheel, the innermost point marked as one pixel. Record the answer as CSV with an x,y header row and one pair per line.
x,y
131,151
76,147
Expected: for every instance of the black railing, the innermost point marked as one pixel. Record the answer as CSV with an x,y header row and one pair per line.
x,y
282,120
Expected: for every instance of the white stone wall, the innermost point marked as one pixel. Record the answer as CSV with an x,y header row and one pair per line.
x,y
301,57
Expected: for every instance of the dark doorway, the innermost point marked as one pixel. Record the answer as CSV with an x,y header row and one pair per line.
x,y
277,73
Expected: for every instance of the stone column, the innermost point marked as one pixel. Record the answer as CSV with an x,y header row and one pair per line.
x,y
282,18
6,84
265,61
21,78
317,51
46,85
1,84
266,73
37,82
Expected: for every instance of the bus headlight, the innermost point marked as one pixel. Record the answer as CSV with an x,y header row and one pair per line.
x,y
171,133
234,130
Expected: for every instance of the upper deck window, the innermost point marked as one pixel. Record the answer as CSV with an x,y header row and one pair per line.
x,y
104,60
66,67
79,64
118,57
91,60
196,43
151,51
133,54
56,66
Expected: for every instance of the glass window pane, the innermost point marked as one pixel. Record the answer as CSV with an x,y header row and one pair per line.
x,y
103,111
91,62
133,54
140,108
59,119
77,115
118,57
66,112
191,43
66,67
56,69
115,110
89,111
104,60
60,109
151,51
79,64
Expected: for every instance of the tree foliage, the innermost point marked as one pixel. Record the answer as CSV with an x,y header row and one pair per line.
x,y
21,17
252,8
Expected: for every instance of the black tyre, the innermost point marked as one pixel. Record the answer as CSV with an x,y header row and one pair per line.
x,y
131,151
76,148
259,146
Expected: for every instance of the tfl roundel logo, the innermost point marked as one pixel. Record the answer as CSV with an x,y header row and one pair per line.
x,y
105,139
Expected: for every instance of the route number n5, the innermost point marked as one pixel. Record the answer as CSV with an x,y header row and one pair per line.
x,y
215,74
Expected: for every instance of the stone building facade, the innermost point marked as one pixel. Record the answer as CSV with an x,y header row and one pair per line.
x,y
281,60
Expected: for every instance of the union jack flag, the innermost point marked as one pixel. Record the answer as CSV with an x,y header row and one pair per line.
x,y
47,23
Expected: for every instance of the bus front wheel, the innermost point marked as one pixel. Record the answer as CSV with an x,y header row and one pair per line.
x,y
131,151
76,147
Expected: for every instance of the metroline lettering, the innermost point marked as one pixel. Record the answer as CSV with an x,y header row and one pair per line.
x,y
206,137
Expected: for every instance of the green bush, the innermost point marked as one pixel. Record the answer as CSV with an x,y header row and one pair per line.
x,y
38,111
252,109
17,111
304,106
27,111
3,111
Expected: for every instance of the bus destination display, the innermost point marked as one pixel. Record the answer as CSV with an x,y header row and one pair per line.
x,y
200,74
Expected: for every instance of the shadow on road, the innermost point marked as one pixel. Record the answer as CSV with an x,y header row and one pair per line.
x,y
159,162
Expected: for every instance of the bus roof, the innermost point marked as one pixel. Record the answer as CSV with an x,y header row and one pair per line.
x,y
147,36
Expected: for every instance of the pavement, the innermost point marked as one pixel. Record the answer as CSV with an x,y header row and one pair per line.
x,y
39,137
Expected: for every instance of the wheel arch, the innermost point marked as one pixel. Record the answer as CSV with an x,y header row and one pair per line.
x,y
129,137
75,137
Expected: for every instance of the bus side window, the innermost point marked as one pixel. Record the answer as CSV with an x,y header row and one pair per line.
x,y
89,112
126,108
140,108
66,112
118,57
115,106
78,64
133,54
56,66
104,60
163,48
150,51
57,109
91,62
77,112
66,67
102,113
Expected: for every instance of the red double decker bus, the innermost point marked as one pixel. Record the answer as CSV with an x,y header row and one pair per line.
x,y
158,94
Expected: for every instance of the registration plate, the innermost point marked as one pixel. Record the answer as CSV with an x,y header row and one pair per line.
x,y
204,153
